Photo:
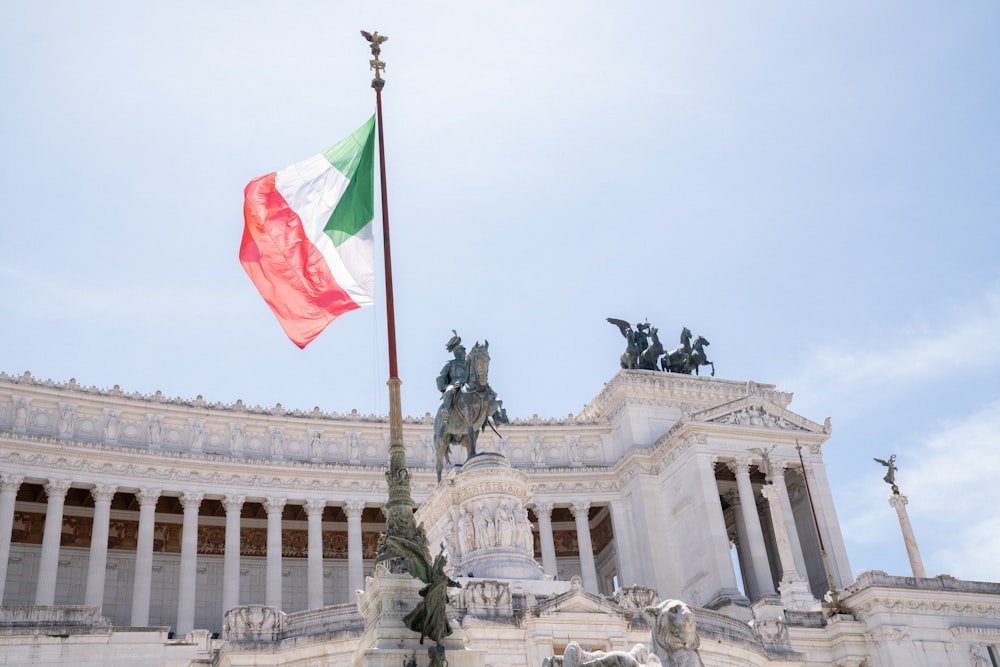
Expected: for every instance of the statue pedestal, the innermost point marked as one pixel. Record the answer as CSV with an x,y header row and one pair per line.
x,y
386,641
480,516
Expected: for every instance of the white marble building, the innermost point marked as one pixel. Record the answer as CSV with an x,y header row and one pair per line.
x,y
129,524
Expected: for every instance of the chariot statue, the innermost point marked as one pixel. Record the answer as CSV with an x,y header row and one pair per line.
x,y
643,350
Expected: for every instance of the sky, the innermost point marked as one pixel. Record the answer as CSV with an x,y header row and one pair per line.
x,y
813,187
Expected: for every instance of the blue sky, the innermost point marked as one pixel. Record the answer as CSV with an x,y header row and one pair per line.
x,y
811,186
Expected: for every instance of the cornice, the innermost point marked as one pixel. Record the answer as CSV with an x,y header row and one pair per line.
x,y
661,388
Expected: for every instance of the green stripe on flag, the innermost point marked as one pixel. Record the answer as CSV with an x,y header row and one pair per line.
x,y
355,158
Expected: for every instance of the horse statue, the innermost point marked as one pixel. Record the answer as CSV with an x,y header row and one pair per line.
x,y
474,406
649,356
675,361
699,357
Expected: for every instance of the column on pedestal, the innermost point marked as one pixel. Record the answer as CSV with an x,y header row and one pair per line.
x,y
355,549
716,557
143,582
231,561
97,566
545,538
9,484
314,575
48,563
190,501
760,569
274,507
826,512
777,479
909,539
788,572
588,568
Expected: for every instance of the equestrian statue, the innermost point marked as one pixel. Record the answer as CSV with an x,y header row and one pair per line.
x,y
468,403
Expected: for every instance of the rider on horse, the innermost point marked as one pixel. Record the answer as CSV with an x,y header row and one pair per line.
x,y
453,375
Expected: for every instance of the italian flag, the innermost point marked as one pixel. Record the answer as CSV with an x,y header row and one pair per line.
x,y
307,244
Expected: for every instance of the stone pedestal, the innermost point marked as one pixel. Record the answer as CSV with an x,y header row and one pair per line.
x,y
480,516
387,642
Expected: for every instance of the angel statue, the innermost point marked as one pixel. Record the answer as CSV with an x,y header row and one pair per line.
x,y
635,341
430,616
890,476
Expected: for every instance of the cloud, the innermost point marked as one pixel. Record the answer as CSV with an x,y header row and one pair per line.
x,y
955,478
965,339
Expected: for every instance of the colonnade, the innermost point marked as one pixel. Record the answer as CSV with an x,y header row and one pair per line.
x,y
56,490
755,560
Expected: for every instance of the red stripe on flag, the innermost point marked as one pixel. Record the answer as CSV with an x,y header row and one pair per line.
x,y
288,270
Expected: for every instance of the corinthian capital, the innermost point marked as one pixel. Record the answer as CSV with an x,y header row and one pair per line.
x,y
147,496
274,505
11,482
57,487
543,510
314,506
103,492
191,500
580,508
354,508
233,503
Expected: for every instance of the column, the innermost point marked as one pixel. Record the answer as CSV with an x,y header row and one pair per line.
x,y
778,480
48,563
355,549
98,563
795,593
231,561
9,484
314,512
826,511
190,501
909,539
581,511
274,507
713,546
625,545
544,513
143,582
761,570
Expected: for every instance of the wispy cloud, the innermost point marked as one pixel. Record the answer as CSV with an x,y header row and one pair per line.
x,y
919,353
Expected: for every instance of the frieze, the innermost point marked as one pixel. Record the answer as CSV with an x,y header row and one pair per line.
x,y
935,607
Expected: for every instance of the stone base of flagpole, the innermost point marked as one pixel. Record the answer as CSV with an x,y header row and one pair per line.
x,y
387,642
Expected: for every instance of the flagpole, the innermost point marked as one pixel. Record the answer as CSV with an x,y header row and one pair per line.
x,y
400,505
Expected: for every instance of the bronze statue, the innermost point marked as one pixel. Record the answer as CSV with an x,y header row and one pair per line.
x,y
474,405
642,354
651,353
376,40
890,475
630,357
698,357
429,617
676,360
452,375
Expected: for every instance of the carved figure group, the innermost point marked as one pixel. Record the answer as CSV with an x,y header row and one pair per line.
x,y
483,529
643,350
468,403
575,656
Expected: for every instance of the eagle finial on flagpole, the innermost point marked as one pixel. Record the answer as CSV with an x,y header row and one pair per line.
x,y
376,40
